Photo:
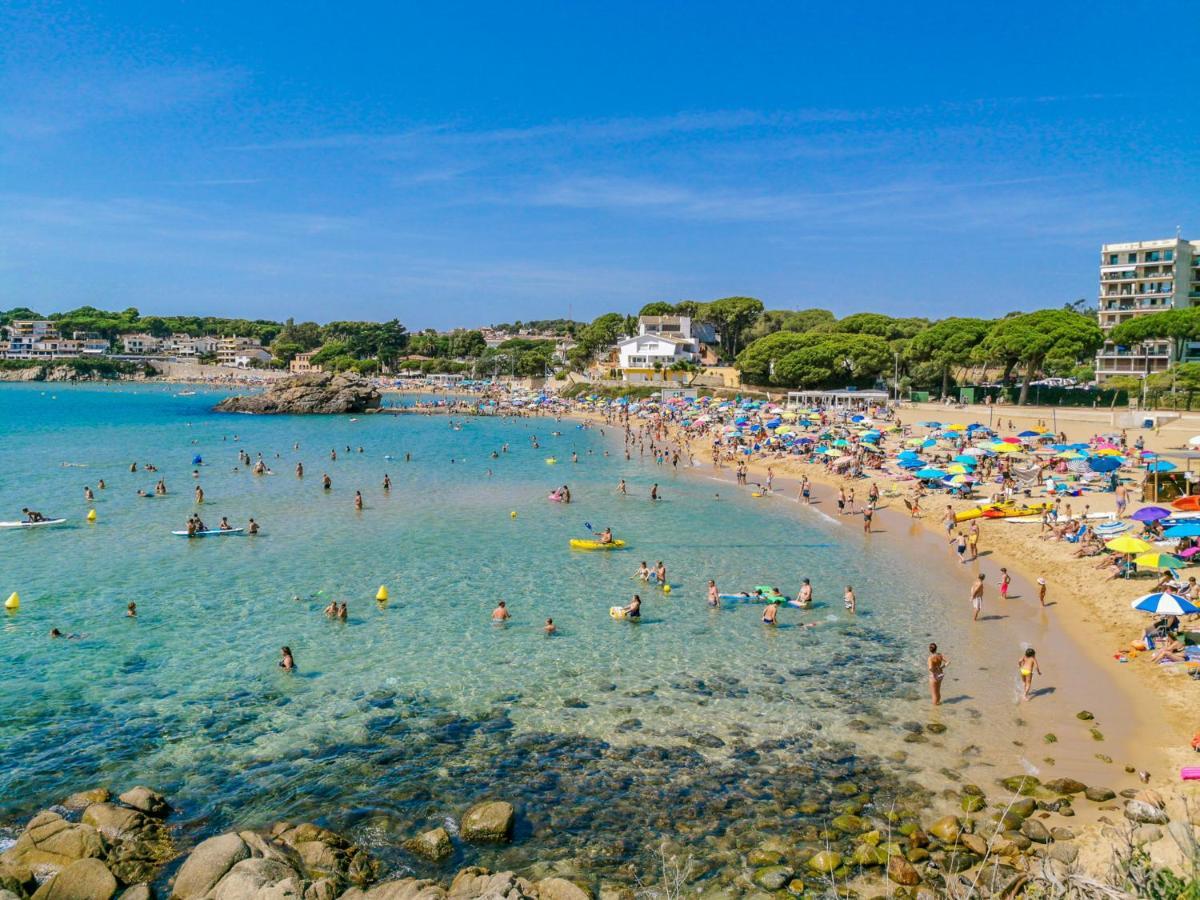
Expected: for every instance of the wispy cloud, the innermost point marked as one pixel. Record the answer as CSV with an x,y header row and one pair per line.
x,y
37,106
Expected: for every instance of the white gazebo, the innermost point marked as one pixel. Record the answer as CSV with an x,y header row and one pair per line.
x,y
848,398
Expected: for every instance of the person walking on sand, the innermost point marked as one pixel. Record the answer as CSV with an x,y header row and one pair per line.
x,y
949,519
867,513
936,664
977,597
805,490
960,547
850,502
973,540
1042,591
1122,493
1005,581
1027,665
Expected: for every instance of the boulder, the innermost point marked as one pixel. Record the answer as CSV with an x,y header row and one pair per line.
x,y
324,854
760,856
1020,784
972,803
208,864
825,862
138,892
310,393
849,824
561,889
145,800
85,879
473,883
489,821
901,871
974,843
322,889
1065,853
84,799
1145,813
1099,794
115,822
946,829
1035,831
1146,834
402,889
434,844
772,878
50,843
1065,786
261,878
1025,807
17,879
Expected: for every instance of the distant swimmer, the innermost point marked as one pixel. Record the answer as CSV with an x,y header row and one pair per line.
x,y
387,482
199,494
621,487
565,494
333,455
358,501
332,609
654,492
714,598
644,572
500,613
131,610
549,627
87,493
326,481
252,528
770,613
660,573
850,601
100,484
287,662
634,609
299,470
133,467
343,612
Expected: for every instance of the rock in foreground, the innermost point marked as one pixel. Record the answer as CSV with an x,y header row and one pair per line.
x,y
312,393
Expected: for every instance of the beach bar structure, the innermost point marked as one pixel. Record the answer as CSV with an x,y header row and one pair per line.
x,y
850,399
1160,487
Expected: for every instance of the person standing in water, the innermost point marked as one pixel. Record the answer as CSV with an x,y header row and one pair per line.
x,y
500,613
326,481
621,487
387,482
199,494
299,470
805,596
1042,591
714,598
358,501
977,597
770,614
1027,665
850,600
936,664
287,662
806,490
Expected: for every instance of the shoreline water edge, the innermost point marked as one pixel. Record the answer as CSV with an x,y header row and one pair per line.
x,y
801,815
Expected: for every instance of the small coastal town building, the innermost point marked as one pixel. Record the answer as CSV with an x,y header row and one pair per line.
x,y
833,399
40,339
661,342
240,352
1137,279
302,362
187,345
140,343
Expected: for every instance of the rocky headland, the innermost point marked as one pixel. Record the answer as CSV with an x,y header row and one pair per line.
x,y
311,393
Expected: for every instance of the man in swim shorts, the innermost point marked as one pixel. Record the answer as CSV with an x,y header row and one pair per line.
x,y
977,597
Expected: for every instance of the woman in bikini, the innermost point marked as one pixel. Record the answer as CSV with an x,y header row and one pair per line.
x,y
937,671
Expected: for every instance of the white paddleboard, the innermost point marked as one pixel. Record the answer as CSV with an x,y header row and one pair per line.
x,y
32,524
212,532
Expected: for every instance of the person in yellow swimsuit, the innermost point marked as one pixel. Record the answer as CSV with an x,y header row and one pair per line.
x,y
1027,665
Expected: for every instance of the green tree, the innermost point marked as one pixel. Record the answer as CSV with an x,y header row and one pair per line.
x,y
689,308
732,317
789,320
658,308
1177,325
602,333
880,325
1032,338
756,361
465,344
834,359
948,343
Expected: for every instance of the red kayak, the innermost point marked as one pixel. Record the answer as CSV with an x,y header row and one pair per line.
x,y
1187,504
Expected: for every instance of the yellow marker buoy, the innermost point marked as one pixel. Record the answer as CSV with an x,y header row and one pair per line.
x,y
91,516
13,601
513,514
666,589
382,593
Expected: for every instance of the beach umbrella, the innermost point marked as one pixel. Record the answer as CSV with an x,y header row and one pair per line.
x,y
931,474
1150,514
1195,441
1029,434
1161,465
832,452
1001,447
1104,464
930,424
1165,604
976,451
956,469
965,459
926,444
1183,530
910,464
907,454
1156,560
1128,544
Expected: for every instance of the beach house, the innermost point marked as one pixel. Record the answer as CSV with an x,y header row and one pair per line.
x,y
661,343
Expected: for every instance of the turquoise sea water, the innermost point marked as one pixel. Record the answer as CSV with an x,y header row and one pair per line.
x,y
697,723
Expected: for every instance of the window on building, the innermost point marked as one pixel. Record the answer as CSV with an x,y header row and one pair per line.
x,y
1168,255
1112,259
1131,258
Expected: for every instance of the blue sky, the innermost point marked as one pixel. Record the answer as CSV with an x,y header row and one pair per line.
x,y
464,163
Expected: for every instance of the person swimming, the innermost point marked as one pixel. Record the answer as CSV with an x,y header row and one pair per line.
x,y
770,613
643,572
500,613
634,609
287,662
549,627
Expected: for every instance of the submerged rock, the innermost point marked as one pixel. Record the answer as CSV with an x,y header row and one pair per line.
x,y
433,844
490,821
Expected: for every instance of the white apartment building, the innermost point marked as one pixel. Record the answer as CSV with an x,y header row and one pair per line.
x,y
140,343
240,352
1139,278
661,342
186,345
39,339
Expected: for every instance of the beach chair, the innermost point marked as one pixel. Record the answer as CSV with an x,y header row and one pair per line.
x,y
1078,535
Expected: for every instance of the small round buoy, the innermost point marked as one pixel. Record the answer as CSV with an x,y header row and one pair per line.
x,y
513,514
666,589
13,601
382,593
91,516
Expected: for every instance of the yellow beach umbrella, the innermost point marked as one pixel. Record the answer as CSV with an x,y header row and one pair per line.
x,y
1108,451
954,428
1004,447
955,469
1127,544
832,452
914,442
1071,454
789,416
1155,560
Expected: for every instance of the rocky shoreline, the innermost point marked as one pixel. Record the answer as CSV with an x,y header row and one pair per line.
x,y
311,393
95,847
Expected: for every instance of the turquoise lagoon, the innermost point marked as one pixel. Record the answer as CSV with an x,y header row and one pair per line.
x,y
700,725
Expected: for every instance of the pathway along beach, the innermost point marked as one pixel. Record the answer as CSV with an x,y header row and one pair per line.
x,y
697,726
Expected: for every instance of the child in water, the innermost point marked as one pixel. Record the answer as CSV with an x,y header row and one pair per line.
x,y
1027,665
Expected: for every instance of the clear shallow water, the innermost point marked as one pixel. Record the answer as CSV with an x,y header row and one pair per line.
x,y
698,723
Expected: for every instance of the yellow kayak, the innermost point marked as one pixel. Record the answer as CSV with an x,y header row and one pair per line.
x,y
1012,512
582,544
967,515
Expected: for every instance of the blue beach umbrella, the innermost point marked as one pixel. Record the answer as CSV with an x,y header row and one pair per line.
x,y
930,424
1183,530
927,444
1165,604
911,464
1161,465
931,474
966,460
1104,463
1029,434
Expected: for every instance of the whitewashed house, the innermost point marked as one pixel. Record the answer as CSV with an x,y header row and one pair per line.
x,y
661,342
